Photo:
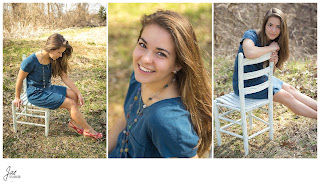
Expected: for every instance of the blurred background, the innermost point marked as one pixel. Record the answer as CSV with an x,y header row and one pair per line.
x,y
294,136
26,27
30,19
123,31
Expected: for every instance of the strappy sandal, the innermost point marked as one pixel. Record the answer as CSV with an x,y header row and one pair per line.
x,y
74,128
89,135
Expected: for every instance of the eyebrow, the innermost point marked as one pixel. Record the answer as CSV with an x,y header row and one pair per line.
x,y
161,49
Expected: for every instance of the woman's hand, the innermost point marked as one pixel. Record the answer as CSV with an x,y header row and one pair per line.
x,y
274,58
17,102
274,46
80,100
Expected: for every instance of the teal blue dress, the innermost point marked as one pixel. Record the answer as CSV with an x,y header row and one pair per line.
x,y
42,93
163,130
277,83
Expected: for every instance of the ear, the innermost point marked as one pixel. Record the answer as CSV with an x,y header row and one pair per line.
x,y
177,68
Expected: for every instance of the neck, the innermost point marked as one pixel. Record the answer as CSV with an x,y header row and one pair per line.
x,y
45,55
158,92
156,86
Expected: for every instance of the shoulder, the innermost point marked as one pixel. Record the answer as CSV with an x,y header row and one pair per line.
x,y
169,115
250,34
133,84
28,63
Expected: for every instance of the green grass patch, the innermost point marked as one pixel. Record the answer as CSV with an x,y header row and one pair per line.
x,y
88,71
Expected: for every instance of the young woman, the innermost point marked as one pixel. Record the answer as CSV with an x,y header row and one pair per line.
x,y
38,68
273,37
168,104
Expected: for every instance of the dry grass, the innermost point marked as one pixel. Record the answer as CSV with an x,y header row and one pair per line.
x,y
89,74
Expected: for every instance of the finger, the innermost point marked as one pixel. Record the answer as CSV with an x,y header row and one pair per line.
x,y
82,101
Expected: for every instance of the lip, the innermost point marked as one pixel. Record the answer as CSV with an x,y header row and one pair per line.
x,y
273,35
144,72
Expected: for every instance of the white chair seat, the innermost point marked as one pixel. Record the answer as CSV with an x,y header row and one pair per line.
x,y
232,101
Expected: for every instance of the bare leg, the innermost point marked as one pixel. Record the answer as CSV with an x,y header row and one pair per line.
x,y
72,95
301,97
298,107
76,115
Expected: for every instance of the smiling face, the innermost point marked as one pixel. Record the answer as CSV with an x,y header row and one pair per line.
x,y
154,57
55,54
273,28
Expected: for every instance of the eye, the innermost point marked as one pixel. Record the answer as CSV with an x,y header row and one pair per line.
x,y
161,54
142,45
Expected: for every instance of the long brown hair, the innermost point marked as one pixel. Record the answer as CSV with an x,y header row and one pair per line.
x,y
193,80
54,42
282,39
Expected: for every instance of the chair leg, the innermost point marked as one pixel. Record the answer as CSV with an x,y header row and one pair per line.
x,y
217,122
14,117
271,120
244,133
250,120
47,117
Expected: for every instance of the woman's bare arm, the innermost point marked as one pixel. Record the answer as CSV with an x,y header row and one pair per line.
x,y
21,76
251,51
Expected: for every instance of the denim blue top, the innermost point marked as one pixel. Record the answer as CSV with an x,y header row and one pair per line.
x,y
50,96
35,70
164,129
277,83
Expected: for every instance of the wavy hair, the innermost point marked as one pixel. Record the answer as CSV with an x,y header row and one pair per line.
x,y
193,79
54,42
282,39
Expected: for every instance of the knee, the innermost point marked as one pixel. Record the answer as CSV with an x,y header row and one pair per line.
x,y
72,94
290,89
73,103
285,98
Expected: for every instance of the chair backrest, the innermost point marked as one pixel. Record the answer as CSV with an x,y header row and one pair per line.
x,y
250,75
24,85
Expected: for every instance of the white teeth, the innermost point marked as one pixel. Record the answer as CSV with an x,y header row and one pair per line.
x,y
144,69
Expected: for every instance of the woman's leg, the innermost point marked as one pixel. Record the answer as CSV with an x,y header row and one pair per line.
x,y
76,115
298,107
301,97
72,95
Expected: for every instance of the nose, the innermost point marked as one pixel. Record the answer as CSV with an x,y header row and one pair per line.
x,y
147,57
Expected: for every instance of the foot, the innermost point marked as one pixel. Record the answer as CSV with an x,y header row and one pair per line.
x,y
76,128
92,134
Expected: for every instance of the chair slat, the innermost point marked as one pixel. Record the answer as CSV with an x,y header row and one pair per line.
x,y
256,88
255,74
260,59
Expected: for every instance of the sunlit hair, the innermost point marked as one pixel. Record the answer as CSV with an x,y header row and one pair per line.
x,y
54,42
282,39
193,80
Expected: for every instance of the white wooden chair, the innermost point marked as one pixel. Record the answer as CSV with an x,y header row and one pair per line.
x,y
232,103
29,110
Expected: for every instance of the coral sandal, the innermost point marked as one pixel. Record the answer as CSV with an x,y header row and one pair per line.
x,y
89,135
74,128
